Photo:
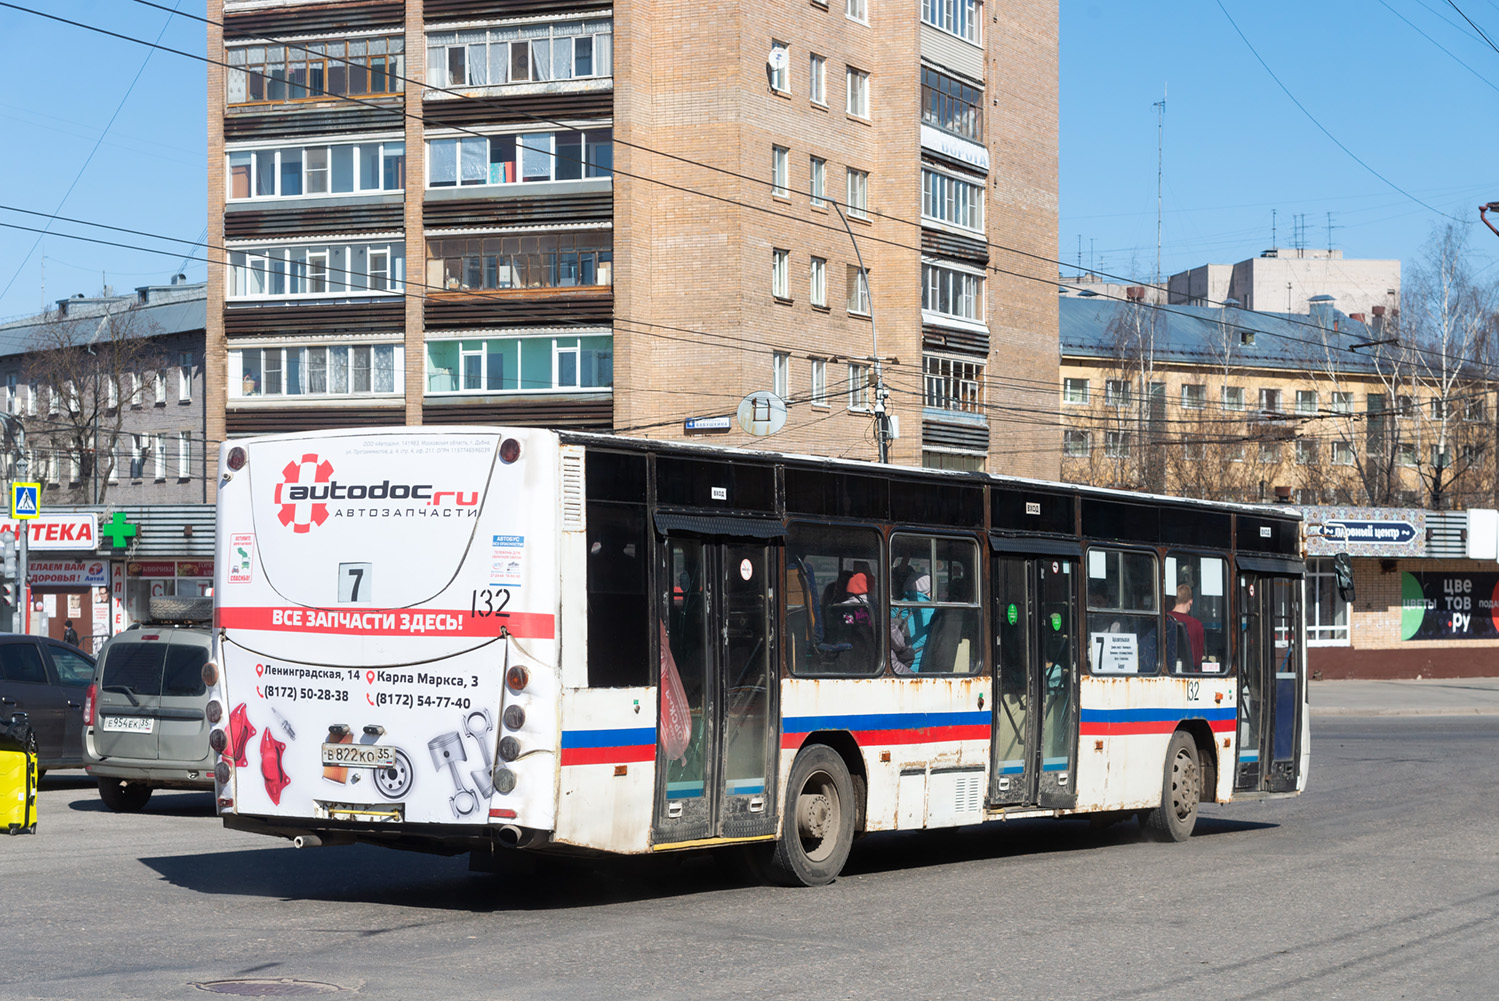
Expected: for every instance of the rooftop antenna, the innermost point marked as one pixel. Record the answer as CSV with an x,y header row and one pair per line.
x,y
1079,253
1160,136
1330,228
1272,229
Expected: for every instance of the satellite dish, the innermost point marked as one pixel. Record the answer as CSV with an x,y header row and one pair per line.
x,y
777,59
762,414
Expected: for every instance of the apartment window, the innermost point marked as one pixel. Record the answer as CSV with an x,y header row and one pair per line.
x,y
1306,401
1405,406
963,18
111,392
1342,453
526,157
1194,396
184,454
1117,393
1233,397
137,456
1076,444
1327,613
857,86
529,53
954,384
780,280
495,263
1270,400
31,398
1306,452
184,377
520,364
307,270
1474,409
949,103
857,10
858,194
860,392
817,79
1193,450
946,199
1246,338
317,370
293,171
819,181
780,374
159,457
819,382
858,291
315,70
952,293
780,67
780,172
10,394
1437,407
1441,458
1342,403
1270,452
1116,444
819,282
1075,391
1234,451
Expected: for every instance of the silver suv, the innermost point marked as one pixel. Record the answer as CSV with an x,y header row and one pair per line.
x,y
144,721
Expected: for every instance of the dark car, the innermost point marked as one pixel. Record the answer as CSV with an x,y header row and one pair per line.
x,y
46,679
147,728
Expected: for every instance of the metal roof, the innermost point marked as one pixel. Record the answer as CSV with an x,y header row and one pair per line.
x,y
162,309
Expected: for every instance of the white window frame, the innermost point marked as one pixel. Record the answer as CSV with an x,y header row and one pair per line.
x,y
10,394
856,89
1191,400
1306,401
1118,393
1075,392
780,374
1232,398
1116,444
817,79
1342,403
1342,452
860,393
184,454
308,271
951,293
857,185
780,79
817,169
819,382
159,457
780,172
1320,577
857,293
550,345
30,406
384,151
817,275
953,385
952,201
1076,444
780,273
856,10
297,357
1271,401
185,377
961,18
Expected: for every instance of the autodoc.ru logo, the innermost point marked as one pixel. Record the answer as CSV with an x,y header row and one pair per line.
x,y
307,485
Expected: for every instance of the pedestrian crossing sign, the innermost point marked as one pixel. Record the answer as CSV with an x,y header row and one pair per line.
x,y
25,500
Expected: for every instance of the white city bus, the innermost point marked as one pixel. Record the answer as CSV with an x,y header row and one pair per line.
x,y
482,638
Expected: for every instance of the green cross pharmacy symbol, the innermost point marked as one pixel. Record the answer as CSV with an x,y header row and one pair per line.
x,y
118,530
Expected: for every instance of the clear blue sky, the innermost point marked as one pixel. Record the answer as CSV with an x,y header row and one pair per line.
x,y
1236,146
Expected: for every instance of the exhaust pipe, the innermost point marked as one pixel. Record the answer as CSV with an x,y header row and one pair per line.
x,y
307,841
511,836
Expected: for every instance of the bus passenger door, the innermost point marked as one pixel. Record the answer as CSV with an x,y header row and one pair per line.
x,y
716,731
1035,709
1270,682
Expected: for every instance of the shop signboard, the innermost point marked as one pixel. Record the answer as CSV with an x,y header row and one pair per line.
x,y
1449,606
1364,531
69,573
53,532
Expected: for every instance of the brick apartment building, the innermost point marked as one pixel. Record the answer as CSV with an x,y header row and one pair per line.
x,y
567,213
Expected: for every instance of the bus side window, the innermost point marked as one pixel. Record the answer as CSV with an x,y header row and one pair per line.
x,y
1124,612
934,610
833,600
619,608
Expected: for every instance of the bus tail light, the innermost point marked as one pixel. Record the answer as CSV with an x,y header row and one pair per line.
x,y
517,677
214,711
221,773
219,741
504,780
514,717
210,674
509,748
237,458
90,699
509,450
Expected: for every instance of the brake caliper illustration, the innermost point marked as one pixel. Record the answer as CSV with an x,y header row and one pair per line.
x,y
276,778
240,732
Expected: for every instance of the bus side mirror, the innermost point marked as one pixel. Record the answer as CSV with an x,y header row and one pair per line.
x,y
1342,566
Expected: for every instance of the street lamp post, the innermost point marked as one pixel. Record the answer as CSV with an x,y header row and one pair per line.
x,y
881,394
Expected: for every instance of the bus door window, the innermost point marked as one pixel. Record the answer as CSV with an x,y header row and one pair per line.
x,y
833,600
935,612
689,659
1197,616
1251,683
1123,612
1012,635
1058,612
1283,620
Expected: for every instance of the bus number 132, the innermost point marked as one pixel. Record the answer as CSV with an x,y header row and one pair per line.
x,y
488,601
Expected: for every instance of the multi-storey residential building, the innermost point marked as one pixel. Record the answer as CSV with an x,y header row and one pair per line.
x,y
1233,405
568,213
1288,279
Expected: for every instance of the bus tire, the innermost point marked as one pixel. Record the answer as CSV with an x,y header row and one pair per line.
x,y
1181,791
124,797
817,822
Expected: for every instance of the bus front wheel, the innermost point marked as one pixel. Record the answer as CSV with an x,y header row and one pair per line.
x,y
1181,791
817,826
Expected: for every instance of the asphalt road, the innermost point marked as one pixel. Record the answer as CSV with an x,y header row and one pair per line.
x,y
1382,881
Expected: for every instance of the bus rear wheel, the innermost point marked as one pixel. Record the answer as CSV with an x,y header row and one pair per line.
x,y
1181,791
817,827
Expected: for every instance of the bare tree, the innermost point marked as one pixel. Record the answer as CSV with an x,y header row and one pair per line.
x,y
88,372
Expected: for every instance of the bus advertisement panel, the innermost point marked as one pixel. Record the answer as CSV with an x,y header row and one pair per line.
x,y
372,591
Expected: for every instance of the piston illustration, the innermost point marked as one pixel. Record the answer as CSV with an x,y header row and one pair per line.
x,y
479,725
447,752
